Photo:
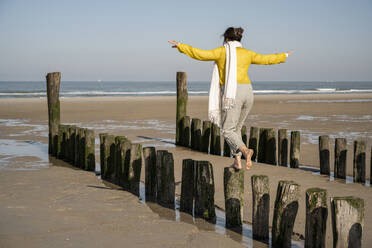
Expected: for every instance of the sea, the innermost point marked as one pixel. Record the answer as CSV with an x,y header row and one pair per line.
x,y
98,88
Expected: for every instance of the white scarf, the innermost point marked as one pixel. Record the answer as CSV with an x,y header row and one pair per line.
x,y
217,101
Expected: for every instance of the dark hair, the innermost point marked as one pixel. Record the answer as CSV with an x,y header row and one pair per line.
x,y
232,34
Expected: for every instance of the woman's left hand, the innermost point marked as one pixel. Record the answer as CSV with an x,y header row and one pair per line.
x,y
175,43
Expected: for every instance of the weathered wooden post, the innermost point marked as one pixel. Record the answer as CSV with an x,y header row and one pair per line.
x,y
347,221
215,140
295,149
77,147
149,156
53,80
123,151
261,156
204,191
90,157
233,182
244,135
270,153
324,155
134,170
196,130
187,186
82,150
185,131
253,142
359,163
285,211
226,149
167,185
206,136
282,147
182,97
102,153
60,145
260,207
316,217
340,158
108,172
72,144
66,133
159,164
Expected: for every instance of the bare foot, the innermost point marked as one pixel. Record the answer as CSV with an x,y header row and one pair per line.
x,y
248,155
237,163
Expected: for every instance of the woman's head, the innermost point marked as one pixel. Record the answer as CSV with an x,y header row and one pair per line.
x,y
232,34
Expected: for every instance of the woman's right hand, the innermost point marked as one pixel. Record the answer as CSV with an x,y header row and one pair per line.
x,y
175,43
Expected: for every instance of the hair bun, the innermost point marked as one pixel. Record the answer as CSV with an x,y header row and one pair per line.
x,y
239,32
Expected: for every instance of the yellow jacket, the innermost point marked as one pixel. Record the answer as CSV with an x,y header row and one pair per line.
x,y
245,58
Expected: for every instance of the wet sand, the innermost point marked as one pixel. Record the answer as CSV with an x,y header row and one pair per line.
x,y
150,121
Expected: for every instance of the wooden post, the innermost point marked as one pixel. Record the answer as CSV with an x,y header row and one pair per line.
x,y
295,149
340,158
204,191
90,157
167,185
215,140
82,148
196,130
123,155
60,145
233,182
260,207
324,155
347,221
68,144
102,153
359,163
134,171
244,135
63,142
282,147
109,156
261,156
253,142
159,164
149,156
316,217
226,149
53,80
185,131
72,144
285,211
77,147
187,186
182,97
270,153
206,136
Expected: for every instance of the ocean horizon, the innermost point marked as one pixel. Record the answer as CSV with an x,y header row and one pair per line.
x,y
32,89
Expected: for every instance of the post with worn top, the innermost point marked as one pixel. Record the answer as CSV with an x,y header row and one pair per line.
x,y
187,186
270,146
196,130
215,140
347,221
206,136
123,150
233,182
72,144
253,142
316,217
226,149
134,170
282,147
285,212
261,156
295,149
90,158
53,80
204,191
260,207
108,172
102,153
359,163
185,132
340,158
166,190
61,141
182,97
149,156
324,155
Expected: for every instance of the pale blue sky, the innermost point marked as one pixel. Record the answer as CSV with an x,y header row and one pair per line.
x,y
127,40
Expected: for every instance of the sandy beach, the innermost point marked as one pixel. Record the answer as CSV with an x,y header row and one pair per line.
x,y
70,203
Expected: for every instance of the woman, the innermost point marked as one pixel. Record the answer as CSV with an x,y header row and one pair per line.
x,y
231,95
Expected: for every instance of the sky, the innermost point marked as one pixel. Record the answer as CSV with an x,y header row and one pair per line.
x,y
127,40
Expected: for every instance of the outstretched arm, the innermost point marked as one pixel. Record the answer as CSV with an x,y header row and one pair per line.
x,y
269,59
195,53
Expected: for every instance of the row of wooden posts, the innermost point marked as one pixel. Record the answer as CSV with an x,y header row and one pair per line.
x,y
121,163
340,161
